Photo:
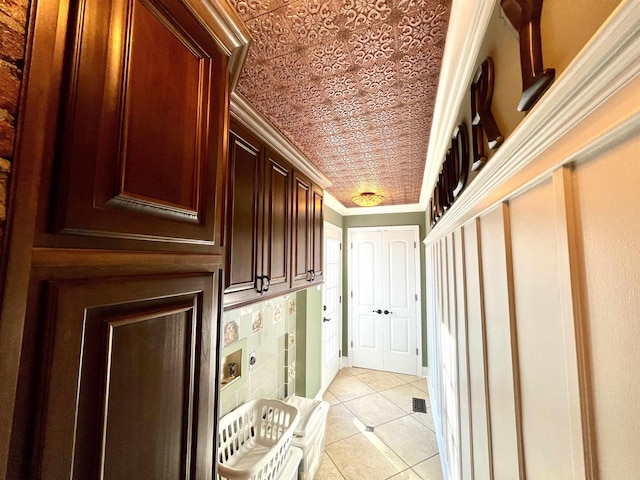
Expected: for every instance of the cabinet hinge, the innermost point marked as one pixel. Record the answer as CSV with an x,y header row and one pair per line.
x,y
351,343
351,245
415,245
416,297
340,299
417,352
351,293
340,246
339,353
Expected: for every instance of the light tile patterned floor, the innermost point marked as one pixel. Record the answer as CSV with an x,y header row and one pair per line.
x,y
372,431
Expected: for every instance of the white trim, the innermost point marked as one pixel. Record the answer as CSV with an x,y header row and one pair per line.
x,y
604,67
329,227
467,27
416,238
337,206
255,121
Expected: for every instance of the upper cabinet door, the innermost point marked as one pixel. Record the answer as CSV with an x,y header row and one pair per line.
x,y
316,235
301,265
276,223
142,127
244,227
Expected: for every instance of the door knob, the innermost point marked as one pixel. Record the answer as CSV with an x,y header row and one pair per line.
x,y
387,312
325,319
377,311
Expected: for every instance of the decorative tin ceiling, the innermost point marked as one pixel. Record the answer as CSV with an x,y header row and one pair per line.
x,y
351,83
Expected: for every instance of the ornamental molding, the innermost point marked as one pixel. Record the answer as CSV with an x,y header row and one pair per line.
x,y
251,118
601,83
226,27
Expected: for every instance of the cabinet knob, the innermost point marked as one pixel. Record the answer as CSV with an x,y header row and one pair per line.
x,y
387,312
325,319
377,311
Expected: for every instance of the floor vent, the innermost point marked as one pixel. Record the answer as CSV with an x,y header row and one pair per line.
x,y
419,405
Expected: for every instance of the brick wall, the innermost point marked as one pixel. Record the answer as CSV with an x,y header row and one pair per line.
x,y
13,20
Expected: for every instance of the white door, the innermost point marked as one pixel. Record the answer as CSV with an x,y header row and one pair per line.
x,y
384,304
332,303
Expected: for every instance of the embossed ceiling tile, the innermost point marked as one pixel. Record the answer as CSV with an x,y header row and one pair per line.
x,y
287,71
384,117
352,85
271,36
330,127
339,87
420,28
312,21
305,95
248,9
377,76
375,44
381,100
330,58
423,64
354,123
348,108
322,113
362,13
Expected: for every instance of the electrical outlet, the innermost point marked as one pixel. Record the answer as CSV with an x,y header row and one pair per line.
x,y
252,360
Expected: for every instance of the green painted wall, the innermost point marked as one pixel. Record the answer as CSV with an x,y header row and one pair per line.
x,y
308,342
384,220
333,217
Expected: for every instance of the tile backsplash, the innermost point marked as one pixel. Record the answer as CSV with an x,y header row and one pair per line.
x,y
269,329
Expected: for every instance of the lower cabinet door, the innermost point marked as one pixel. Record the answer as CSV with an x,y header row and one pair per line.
x,y
130,390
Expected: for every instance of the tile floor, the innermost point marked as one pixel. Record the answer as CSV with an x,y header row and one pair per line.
x,y
372,431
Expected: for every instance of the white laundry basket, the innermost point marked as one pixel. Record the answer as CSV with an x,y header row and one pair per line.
x,y
254,440
309,436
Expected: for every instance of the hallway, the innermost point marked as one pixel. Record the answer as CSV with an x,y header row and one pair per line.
x,y
373,432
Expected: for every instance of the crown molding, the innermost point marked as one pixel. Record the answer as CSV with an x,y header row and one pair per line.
x,y
601,83
331,202
229,31
250,117
467,28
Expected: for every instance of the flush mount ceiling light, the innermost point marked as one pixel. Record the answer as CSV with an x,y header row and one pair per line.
x,y
367,199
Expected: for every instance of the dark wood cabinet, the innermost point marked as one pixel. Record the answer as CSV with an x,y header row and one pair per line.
x,y
115,242
276,214
259,220
307,232
142,125
130,381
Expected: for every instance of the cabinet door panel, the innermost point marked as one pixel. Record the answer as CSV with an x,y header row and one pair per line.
x,y
142,125
301,218
316,235
131,363
277,223
244,227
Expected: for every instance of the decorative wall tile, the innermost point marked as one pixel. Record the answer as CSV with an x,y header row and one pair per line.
x,y
322,70
231,332
257,321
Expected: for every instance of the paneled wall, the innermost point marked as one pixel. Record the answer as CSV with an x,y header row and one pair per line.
x,y
539,298
532,285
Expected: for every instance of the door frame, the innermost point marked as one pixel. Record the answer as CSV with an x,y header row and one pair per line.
x,y
338,230
350,313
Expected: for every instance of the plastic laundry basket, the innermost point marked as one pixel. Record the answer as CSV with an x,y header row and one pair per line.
x,y
309,435
254,440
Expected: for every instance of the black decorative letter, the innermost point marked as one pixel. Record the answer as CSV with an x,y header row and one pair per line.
x,y
524,15
482,121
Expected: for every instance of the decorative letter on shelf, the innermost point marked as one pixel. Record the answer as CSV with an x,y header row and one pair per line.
x,y
482,121
524,16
